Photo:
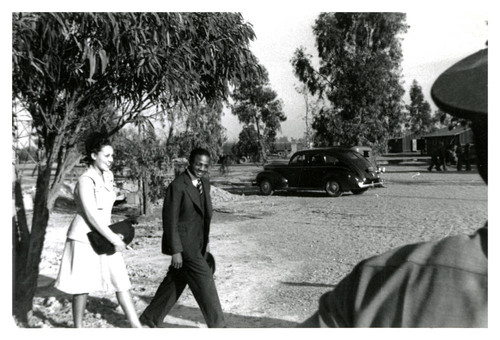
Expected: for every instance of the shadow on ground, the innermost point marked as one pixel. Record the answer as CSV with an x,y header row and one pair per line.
x,y
106,309
194,317
308,284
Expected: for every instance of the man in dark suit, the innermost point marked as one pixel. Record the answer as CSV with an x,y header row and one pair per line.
x,y
187,211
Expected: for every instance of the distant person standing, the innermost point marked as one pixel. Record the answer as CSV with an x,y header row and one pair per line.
x,y
434,161
437,157
187,212
451,153
441,283
442,155
460,157
466,157
224,165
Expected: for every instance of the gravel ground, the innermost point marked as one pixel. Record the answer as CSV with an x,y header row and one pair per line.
x,y
277,254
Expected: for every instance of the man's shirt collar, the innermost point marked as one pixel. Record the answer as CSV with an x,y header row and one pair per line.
x,y
194,179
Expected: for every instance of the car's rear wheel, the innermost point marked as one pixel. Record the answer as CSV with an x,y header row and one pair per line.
x,y
332,188
266,188
358,191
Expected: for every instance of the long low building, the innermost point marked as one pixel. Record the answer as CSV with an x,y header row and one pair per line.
x,y
425,144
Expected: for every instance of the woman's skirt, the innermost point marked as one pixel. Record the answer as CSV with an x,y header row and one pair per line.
x,y
84,271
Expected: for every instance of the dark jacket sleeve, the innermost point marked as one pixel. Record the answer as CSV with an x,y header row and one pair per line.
x,y
336,308
312,322
171,209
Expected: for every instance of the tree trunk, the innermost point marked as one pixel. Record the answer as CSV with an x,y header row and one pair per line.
x,y
28,261
29,246
140,195
71,159
308,129
262,148
145,195
28,252
20,242
170,133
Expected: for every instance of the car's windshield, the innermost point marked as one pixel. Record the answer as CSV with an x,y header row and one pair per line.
x,y
353,155
298,159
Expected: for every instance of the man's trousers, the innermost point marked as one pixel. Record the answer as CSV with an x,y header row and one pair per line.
x,y
196,273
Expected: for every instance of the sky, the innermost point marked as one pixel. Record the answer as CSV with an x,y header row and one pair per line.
x,y
434,41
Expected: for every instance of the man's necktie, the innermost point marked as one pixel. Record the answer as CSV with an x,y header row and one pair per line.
x,y
200,188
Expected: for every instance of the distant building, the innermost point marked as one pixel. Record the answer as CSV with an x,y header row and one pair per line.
x,y
460,135
424,144
406,143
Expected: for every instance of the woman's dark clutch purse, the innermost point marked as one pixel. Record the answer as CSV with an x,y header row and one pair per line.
x,y
102,246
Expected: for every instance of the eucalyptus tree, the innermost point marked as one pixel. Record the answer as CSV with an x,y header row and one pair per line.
x,y
258,105
359,74
141,156
77,71
247,146
419,119
202,128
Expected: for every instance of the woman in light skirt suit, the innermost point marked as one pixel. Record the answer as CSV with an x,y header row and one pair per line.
x,y
82,270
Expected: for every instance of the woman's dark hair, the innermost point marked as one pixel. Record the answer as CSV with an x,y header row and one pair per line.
x,y
94,143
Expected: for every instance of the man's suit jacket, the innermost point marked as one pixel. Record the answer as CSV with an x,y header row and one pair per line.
x,y
186,219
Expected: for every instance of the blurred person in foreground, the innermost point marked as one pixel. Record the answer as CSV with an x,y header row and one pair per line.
x,y
431,284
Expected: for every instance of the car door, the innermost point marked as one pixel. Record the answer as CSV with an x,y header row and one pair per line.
x,y
314,171
294,171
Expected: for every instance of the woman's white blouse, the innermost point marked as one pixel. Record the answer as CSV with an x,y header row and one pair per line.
x,y
99,205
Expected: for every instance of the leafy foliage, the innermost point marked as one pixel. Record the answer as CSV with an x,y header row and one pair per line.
x,y
419,119
256,104
75,72
313,105
142,156
146,157
202,128
65,62
248,144
360,55
442,119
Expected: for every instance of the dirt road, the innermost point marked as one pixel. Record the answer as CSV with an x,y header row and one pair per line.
x,y
277,254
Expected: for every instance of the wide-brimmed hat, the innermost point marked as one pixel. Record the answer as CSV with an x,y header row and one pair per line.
x,y
462,90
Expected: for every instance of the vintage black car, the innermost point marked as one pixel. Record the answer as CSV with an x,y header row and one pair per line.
x,y
334,169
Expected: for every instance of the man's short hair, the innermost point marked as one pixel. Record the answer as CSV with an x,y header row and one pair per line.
x,y
196,152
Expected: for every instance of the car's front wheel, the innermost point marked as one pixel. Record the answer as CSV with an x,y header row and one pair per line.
x,y
266,188
332,188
